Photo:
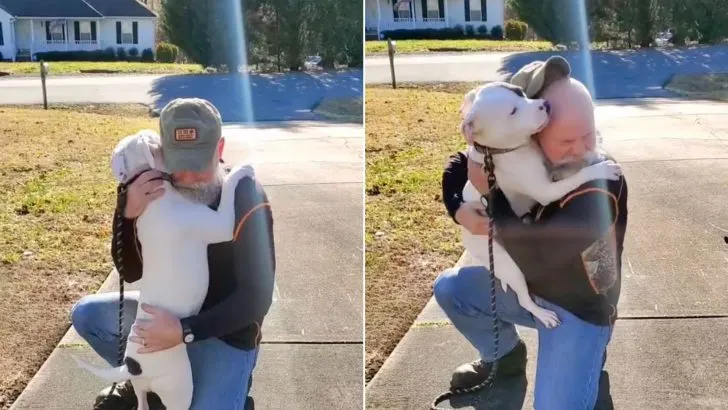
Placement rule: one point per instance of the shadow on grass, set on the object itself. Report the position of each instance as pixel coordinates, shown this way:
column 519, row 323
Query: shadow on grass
column 272, row 97
column 632, row 73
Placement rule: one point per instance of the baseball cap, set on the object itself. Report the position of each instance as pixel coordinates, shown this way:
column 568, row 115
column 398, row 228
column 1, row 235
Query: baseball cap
column 190, row 129
column 535, row 76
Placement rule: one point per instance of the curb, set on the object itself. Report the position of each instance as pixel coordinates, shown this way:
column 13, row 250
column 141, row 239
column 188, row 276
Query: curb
column 69, row 339
column 417, row 323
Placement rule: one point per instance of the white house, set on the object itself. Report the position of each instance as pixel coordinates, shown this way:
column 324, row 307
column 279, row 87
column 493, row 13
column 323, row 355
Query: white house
column 31, row 26
column 384, row 15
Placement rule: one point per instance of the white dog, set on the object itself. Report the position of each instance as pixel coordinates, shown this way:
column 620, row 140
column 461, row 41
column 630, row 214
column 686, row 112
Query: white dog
column 174, row 232
column 499, row 116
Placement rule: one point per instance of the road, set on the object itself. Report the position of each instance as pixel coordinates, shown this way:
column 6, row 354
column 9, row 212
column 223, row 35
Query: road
column 615, row 74
column 240, row 98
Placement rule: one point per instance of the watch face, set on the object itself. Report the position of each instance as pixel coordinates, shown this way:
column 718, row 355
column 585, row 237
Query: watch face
column 189, row 338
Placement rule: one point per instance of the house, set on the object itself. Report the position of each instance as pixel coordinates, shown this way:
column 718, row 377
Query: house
column 28, row 27
column 385, row 15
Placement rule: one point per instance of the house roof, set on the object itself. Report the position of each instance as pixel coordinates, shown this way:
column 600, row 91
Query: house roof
column 120, row 8
column 75, row 8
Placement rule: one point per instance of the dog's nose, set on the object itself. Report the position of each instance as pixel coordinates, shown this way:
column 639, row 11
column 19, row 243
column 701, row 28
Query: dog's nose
column 546, row 106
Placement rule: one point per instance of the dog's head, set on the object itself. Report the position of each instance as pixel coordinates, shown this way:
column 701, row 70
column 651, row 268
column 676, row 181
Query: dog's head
column 134, row 154
column 499, row 115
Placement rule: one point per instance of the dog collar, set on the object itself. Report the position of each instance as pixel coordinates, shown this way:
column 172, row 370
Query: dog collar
column 493, row 151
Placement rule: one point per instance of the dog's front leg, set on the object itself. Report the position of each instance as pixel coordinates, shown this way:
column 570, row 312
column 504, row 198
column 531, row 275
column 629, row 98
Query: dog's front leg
column 553, row 191
column 218, row 226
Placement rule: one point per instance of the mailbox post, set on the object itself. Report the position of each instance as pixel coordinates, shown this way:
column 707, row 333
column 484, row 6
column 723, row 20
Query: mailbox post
column 43, row 74
column 391, row 49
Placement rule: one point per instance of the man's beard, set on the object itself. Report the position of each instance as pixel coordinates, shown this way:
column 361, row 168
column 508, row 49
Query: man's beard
column 203, row 192
column 569, row 166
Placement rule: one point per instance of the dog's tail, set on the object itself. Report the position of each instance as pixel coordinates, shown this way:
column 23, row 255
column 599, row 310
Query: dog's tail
column 113, row 374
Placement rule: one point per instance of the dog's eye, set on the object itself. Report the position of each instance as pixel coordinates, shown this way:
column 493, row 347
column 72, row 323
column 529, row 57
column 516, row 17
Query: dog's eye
column 514, row 110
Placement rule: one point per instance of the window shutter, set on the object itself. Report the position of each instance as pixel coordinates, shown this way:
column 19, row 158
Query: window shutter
column 467, row 10
column 48, row 30
column 424, row 9
column 484, row 10
column 118, row 32
column 135, row 32
column 394, row 8
column 63, row 35
column 441, row 6
column 2, row 40
column 76, row 30
column 93, row 31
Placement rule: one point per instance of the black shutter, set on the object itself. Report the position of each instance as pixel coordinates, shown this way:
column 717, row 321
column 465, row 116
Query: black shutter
column 2, row 41
column 467, row 10
column 118, row 32
column 441, row 7
column 48, row 30
column 76, row 30
column 394, row 8
column 63, row 34
column 424, row 10
column 484, row 10
column 93, row 31
column 135, row 32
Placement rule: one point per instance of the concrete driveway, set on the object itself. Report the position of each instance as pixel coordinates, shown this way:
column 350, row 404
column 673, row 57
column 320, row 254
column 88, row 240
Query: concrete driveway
column 615, row 74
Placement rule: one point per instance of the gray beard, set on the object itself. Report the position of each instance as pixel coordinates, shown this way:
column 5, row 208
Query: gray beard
column 565, row 170
column 205, row 193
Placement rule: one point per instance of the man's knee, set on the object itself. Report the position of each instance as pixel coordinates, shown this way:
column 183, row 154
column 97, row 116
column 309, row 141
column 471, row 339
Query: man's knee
column 81, row 313
column 444, row 287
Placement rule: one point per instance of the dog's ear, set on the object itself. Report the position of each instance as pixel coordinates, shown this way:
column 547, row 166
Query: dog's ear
column 468, row 100
column 516, row 89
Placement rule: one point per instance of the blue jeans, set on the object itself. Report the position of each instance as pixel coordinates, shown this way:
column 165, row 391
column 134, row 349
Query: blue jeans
column 221, row 373
column 570, row 356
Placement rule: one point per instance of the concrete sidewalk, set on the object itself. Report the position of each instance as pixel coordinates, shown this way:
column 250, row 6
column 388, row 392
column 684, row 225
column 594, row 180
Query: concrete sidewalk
column 312, row 338
column 668, row 348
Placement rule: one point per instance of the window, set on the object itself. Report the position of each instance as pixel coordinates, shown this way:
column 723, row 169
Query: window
column 127, row 32
column 55, row 31
column 84, row 30
column 433, row 9
column 475, row 12
column 402, row 10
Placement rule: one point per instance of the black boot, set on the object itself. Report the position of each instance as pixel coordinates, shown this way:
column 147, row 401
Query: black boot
column 474, row 373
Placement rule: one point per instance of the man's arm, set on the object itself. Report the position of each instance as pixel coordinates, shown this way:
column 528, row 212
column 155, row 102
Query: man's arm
column 130, row 248
column 584, row 216
column 254, row 265
column 454, row 178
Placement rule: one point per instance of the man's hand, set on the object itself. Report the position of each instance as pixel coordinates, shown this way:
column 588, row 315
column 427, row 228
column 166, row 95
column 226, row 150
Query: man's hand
column 161, row 332
column 141, row 192
column 477, row 177
column 471, row 216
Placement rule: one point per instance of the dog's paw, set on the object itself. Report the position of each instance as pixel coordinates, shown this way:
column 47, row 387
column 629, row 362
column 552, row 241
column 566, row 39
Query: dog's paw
column 606, row 170
column 239, row 172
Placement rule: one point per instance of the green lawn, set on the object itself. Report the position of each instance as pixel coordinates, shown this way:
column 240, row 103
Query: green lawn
column 431, row 46
column 78, row 67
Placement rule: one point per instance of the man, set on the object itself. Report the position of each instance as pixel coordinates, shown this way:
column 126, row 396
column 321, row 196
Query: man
column 223, row 339
column 570, row 256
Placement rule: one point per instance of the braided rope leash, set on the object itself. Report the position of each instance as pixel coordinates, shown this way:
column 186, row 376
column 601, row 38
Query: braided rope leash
column 487, row 201
column 120, row 205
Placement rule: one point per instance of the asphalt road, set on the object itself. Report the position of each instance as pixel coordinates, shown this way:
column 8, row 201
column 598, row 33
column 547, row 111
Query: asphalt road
column 240, row 98
column 614, row 74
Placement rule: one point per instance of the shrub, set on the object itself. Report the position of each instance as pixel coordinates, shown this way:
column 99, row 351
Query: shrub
column 121, row 53
column 496, row 33
column 167, row 53
column 1, row 56
column 95, row 55
column 109, row 54
column 516, row 30
column 483, row 30
column 148, row 55
column 469, row 31
column 134, row 52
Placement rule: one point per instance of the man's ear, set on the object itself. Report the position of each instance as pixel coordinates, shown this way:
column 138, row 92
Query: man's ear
column 220, row 147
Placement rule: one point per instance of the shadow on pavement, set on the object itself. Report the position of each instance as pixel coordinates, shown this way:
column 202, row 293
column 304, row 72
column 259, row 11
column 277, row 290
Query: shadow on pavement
column 272, row 97
column 633, row 73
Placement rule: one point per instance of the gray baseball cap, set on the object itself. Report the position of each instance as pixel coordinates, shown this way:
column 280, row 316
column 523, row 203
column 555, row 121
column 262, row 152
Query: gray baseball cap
column 535, row 76
column 191, row 129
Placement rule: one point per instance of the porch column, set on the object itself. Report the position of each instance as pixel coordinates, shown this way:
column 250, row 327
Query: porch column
column 447, row 19
column 65, row 28
column 414, row 13
column 12, row 39
column 379, row 19
column 32, row 38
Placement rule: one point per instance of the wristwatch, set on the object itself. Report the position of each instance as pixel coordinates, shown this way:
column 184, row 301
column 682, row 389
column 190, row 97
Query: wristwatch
column 187, row 334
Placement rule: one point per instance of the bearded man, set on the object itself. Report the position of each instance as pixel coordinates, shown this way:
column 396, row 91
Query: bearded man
column 224, row 338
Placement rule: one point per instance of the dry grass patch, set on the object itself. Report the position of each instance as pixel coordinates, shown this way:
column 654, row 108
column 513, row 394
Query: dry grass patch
column 410, row 238
column 78, row 67
column 708, row 86
column 343, row 109
column 57, row 198
column 433, row 46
